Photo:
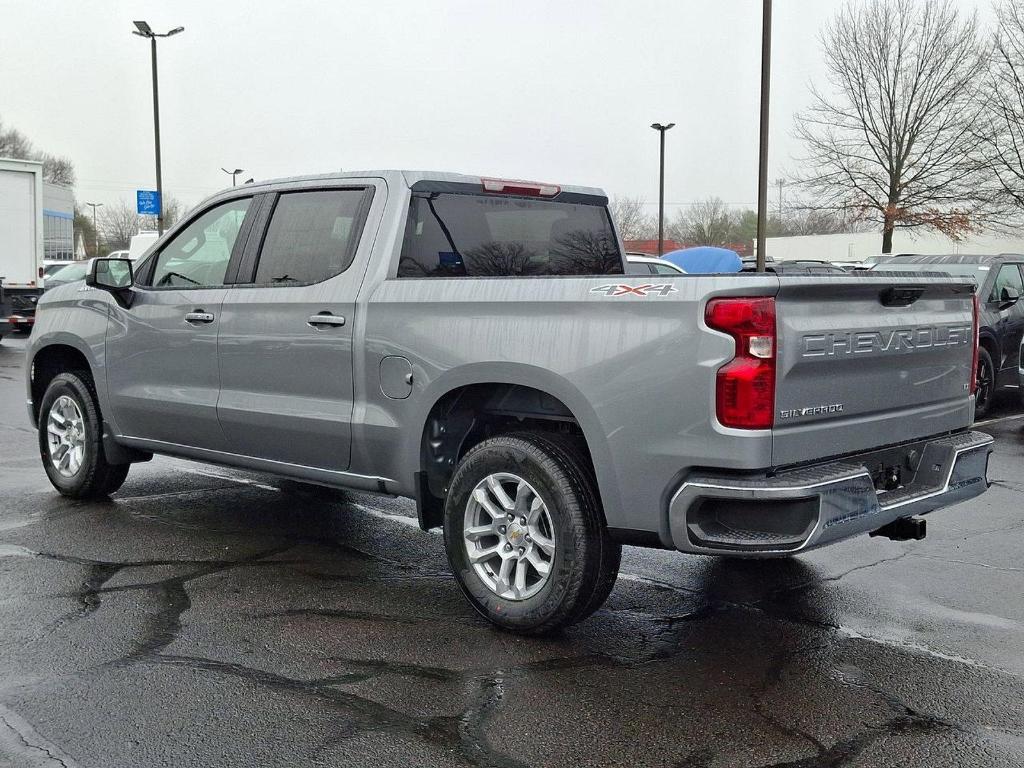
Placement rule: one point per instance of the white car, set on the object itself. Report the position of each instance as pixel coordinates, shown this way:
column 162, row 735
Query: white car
column 639, row 264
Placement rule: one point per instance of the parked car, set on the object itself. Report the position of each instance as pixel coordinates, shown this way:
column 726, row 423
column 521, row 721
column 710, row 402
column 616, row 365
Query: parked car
column 1000, row 287
column 69, row 273
column 642, row 264
column 801, row 267
column 475, row 344
column 119, row 255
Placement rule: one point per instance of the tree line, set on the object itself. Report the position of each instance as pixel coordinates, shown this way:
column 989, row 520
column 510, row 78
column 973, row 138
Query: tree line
column 919, row 124
column 712, row 221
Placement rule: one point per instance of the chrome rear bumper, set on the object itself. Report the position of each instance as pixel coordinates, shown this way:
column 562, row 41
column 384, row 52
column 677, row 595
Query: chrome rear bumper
column 818, row 505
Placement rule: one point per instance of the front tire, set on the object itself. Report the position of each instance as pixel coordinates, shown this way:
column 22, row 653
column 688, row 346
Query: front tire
column 525, row 533
column 71, row 440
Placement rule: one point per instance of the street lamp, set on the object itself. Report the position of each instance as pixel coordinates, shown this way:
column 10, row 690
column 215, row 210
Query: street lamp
column 142, row 29
column 762, row 163
column 233, row 174
column 95, row 231
column 661, row 185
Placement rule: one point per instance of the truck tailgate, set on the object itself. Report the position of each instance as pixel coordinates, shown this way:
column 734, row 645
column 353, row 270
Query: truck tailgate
column 868, row 361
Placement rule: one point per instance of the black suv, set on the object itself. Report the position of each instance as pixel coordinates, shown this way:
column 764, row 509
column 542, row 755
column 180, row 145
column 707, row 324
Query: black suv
column 1000, row 287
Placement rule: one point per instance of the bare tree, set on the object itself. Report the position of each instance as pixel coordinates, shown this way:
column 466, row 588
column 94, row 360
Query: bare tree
column 1003, row 95
column 118, row 222
column 897, row 142
column 14, row 144
column 58, row 170
column 706, row 222
column 631, row 218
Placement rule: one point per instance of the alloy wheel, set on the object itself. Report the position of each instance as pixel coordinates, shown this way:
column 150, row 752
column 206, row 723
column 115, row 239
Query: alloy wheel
column 65, row 436
column 509, row 536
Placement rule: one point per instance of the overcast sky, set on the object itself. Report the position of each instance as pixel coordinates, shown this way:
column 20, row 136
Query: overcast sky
column 550, row 91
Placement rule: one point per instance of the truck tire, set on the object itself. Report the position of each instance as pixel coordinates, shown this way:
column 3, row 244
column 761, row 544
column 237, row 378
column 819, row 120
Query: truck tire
column 986, row 384
column 525, row 534
column 71, row 439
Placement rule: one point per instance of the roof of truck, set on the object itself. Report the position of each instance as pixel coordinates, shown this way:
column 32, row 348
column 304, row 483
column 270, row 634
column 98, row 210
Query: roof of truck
column 409, row 177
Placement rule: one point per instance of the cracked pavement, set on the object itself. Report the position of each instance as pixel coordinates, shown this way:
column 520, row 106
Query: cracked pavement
column 206, row 616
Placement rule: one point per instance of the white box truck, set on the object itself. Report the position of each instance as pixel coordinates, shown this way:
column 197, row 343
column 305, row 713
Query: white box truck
column 21, row 242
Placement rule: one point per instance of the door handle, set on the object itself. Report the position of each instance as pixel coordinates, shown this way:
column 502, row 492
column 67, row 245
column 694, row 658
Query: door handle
column 199, row 317
column 325, row 318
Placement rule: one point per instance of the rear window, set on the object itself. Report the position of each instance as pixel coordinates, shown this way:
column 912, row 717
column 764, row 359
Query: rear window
column 464, row 235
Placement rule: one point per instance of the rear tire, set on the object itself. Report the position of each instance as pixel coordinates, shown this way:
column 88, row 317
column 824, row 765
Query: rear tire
column 986, row 383
column 525, row 533
column 71, row 439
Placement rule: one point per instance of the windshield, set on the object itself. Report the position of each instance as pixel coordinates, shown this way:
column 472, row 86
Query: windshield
column 465, row 235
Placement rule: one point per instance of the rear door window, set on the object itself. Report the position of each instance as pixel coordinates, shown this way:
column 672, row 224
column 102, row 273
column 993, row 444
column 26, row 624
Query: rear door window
column 312, row 236
column 465, row 235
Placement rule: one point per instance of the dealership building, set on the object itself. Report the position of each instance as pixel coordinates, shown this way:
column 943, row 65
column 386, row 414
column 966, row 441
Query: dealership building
column 58, row 223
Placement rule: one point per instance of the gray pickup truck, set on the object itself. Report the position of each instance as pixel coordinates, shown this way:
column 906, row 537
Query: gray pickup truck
column 474, row 343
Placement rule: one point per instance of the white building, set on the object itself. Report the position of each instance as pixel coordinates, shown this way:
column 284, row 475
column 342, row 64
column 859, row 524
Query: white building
column 856, row 246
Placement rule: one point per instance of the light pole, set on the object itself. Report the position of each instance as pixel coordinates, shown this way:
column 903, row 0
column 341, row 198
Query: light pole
column 142, row 29
column 661, row 185
column 762, row 166
column 233, row 174
column 95, row 231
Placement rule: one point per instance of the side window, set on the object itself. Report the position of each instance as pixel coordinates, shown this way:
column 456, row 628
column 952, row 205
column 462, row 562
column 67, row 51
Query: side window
column 312, row 236
column 661, row 269
column 198, row 256
column 1009, row 276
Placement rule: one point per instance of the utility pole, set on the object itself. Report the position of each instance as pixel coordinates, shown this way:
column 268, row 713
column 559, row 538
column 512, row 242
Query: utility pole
column 233, row 174
column 661, row 185
column 95, row 231
column 762, row 171
column 142, row 29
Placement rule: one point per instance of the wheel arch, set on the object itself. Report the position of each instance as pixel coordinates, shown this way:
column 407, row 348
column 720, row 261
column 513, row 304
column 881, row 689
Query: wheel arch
column 477, row 401
column 990, row 344
column 57, row 355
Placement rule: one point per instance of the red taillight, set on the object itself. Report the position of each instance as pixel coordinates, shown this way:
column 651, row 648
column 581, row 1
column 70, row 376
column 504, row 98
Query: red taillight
column 529, row 188
column 745, row 386
column 977, row 343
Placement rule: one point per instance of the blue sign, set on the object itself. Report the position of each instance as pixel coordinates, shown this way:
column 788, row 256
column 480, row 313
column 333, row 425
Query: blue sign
column 147, row 202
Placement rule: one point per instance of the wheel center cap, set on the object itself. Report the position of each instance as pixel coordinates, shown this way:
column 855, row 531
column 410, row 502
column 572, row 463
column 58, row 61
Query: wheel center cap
column 515, row 535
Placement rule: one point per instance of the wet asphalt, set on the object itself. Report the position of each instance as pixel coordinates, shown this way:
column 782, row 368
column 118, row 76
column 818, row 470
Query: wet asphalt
column 209, row 617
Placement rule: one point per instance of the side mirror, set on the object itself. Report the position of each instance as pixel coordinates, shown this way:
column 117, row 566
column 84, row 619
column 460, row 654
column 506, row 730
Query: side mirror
column 1008, row 297
column 113, row 275
column 109, row 274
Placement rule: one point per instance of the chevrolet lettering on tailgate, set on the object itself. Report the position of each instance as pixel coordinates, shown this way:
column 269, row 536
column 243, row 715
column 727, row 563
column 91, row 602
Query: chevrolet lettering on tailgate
column 901, row 340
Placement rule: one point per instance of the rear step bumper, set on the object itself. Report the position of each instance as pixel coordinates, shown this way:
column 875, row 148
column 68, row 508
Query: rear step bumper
column 814, row 506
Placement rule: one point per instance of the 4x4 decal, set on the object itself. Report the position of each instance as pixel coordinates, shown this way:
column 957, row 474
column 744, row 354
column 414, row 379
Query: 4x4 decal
column 662, row 289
